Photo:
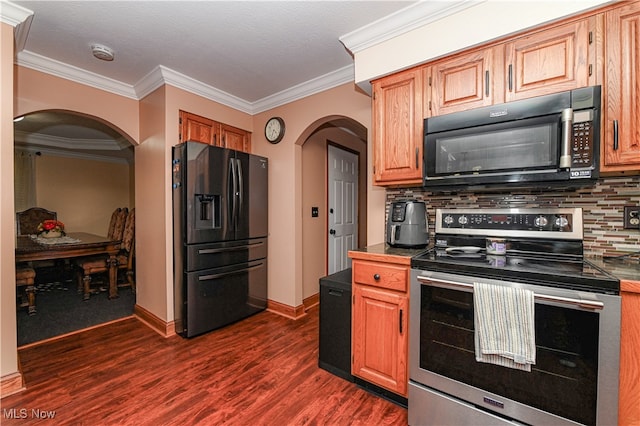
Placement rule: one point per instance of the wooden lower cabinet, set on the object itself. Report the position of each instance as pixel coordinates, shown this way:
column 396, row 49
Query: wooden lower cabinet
column 380, row 324
column 629, row 396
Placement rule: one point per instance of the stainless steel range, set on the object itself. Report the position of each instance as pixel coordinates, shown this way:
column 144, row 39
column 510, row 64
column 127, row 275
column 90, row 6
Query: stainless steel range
column 577, row 322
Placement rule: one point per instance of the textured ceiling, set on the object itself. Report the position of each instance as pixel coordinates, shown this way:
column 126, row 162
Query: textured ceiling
column 249, row 50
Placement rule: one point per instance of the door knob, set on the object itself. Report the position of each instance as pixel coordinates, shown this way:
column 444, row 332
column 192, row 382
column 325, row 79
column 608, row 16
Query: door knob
column 332, row 231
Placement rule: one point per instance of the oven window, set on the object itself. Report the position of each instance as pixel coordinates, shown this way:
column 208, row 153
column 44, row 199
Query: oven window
column 524, row 145
column 564, row 379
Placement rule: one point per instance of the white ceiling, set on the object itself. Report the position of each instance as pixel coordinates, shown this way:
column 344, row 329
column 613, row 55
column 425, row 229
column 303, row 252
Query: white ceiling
column 249, row 50
column 250, row 55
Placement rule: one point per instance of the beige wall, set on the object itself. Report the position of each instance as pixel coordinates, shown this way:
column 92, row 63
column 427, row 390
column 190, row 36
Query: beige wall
column 8, row 336
column 286, row 210
column 37, row 91
column 83, row 192
column 154, row 273
column 314, row 193
column 152, row 126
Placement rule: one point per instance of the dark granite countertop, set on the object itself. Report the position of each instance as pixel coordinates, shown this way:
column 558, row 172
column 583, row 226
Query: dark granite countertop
column 385, row 253
column 386, row 249
column 623, row 268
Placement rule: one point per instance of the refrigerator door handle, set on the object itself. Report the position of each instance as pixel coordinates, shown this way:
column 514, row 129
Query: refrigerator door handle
column 226, row 274
column 232, row 195
column 240, row 192
column 225, row 249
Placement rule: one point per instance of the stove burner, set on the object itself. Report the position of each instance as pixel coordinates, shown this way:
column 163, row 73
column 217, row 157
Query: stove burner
column 571, row 272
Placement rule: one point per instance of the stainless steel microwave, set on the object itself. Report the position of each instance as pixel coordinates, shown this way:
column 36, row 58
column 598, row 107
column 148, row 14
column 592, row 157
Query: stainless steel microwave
column 547, row 141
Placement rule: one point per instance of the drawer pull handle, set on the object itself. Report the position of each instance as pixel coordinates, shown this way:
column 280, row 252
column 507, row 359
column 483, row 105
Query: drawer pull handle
column 376, row 277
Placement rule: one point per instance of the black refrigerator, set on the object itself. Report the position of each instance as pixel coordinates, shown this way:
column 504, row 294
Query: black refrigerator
column 220, row 236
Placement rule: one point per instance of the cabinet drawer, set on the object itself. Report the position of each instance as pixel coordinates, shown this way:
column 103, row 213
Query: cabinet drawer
column 387, row 276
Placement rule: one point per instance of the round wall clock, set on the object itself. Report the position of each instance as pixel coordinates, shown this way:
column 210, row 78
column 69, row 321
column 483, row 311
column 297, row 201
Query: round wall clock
column 274, row 129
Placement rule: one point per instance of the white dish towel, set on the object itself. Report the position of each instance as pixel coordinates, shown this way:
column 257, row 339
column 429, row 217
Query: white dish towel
column 504, row 326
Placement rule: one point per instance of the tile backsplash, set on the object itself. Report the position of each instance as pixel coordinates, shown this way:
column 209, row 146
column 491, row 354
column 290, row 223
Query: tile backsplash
column 602, row 209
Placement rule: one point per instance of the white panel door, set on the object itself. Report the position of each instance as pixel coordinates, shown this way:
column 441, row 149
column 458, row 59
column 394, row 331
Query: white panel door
column 343, row 207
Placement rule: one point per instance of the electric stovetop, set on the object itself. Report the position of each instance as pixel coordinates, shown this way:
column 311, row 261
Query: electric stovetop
column 575, row 273
column 543, row 247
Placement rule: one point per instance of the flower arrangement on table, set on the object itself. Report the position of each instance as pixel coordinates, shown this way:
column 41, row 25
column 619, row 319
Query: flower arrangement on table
column 51, row 229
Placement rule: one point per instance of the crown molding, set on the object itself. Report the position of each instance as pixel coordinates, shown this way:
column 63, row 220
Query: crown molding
column 13, row 14
column 70, row 143
column 402, row 21
column 18, row 17
column 162, row 75
column 308, row 88
column 71, row 154
column 69, row 72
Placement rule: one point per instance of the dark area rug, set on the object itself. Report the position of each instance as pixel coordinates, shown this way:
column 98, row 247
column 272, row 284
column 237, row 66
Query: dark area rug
column 61, row 310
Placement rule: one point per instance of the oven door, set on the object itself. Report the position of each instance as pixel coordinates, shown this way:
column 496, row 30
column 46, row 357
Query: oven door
column 574, row 380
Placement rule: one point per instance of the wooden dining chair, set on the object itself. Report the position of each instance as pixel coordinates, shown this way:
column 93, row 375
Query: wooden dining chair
column 117, row 223
column 25, row 277
column 27, row 221
column 89, row 266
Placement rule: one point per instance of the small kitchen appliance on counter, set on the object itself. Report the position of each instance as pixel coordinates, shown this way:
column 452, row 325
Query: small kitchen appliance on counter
column 407, row 224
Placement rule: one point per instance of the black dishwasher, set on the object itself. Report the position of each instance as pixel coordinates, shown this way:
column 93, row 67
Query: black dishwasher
column 335, row 324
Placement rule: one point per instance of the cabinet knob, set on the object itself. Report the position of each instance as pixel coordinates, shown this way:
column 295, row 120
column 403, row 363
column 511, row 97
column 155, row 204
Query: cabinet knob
column 376, row 277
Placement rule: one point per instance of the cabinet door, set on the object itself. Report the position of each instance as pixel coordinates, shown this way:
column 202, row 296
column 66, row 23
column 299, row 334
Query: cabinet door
column 199, row 129
column 621, row 144
column 234, row 138
column 467, row 81
column 380, row 321
column 397, row 131
column 629, row 399
column 549, row 61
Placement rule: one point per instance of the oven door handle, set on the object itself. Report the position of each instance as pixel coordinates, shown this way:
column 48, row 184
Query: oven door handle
column 585, row 304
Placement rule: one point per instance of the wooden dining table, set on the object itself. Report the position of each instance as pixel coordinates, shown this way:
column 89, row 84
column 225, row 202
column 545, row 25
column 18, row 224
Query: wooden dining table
column 29, row 249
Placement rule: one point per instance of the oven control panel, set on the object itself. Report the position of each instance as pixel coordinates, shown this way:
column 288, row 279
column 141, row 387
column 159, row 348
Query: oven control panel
column 513, row 222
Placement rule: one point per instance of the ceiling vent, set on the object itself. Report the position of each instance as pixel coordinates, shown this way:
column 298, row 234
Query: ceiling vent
column 102, row 52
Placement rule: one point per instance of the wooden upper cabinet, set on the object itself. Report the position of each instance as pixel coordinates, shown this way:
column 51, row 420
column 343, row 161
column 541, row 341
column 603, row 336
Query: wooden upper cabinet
column 199, row 129
column 549, row 61
column 397, row 130
column 469, row 80
column 234, row 138
column 620, row 148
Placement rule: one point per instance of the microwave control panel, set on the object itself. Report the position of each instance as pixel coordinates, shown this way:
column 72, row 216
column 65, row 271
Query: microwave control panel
column 582, row 149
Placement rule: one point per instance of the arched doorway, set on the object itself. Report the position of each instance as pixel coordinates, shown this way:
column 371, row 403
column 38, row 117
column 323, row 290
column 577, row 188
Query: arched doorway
column 346, row 133
column 81, row 167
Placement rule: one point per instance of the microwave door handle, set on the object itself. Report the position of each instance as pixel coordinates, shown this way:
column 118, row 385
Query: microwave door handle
column 567, row 136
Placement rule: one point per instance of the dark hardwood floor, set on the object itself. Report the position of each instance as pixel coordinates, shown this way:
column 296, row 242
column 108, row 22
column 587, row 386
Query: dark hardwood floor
column 260, row 371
